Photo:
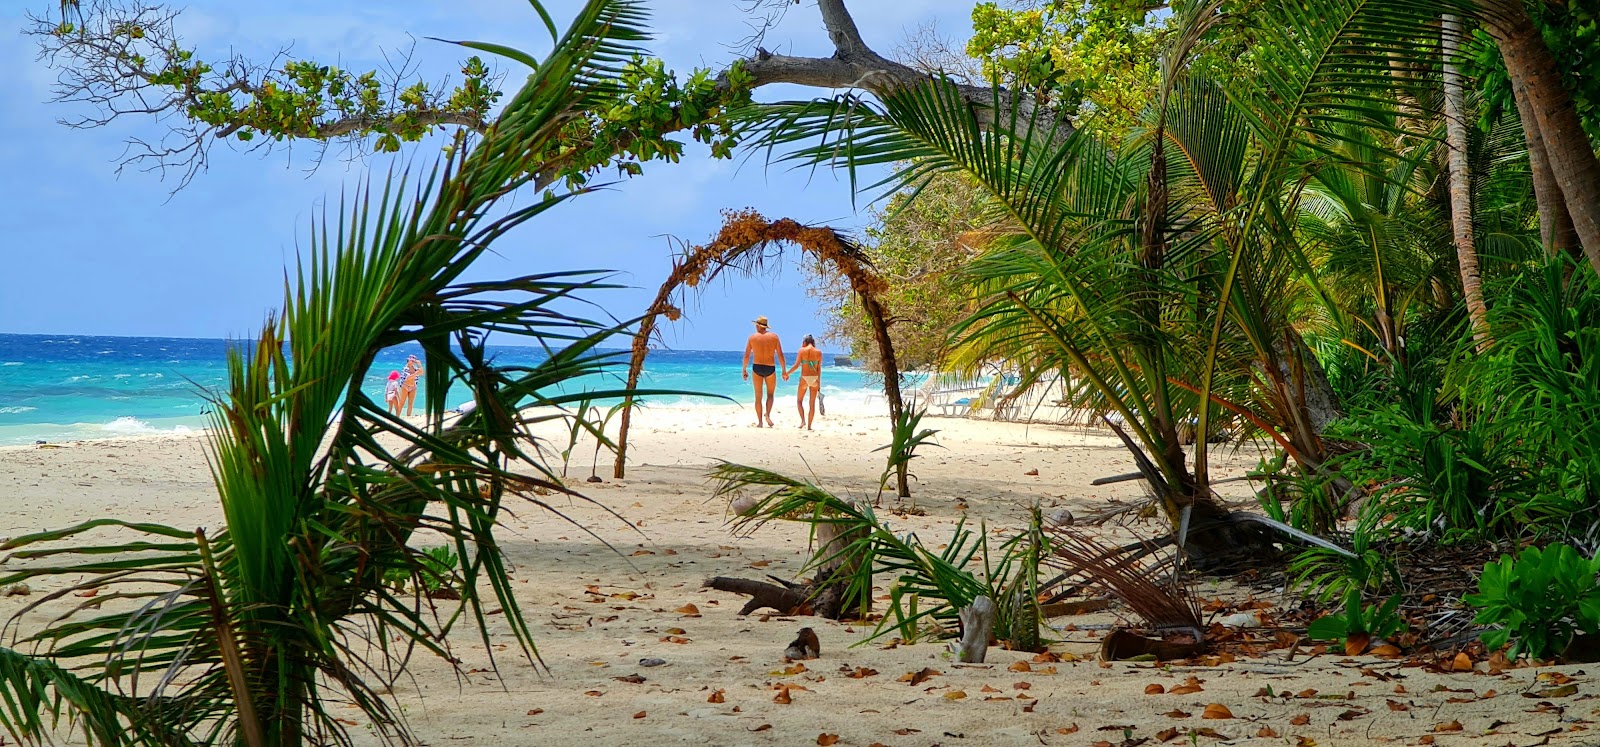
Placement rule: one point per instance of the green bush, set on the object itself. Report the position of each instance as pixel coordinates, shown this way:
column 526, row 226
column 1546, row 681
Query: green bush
column 435, row 570
column 1539, row 600
column 1327, row 575
column 1374, row 621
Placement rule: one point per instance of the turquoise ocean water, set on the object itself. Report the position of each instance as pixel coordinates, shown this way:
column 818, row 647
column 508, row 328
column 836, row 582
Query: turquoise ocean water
column 73, row 387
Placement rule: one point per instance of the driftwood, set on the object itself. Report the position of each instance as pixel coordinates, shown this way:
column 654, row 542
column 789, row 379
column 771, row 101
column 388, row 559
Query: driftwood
column 977, row 625
column 784, row 599
column 828, row 596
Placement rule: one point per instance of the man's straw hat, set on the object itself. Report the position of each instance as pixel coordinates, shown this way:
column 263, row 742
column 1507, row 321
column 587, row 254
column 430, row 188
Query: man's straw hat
column 762, row 321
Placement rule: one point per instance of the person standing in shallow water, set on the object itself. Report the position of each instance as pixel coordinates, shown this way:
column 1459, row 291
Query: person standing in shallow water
column 763, row 356
column 809, row 363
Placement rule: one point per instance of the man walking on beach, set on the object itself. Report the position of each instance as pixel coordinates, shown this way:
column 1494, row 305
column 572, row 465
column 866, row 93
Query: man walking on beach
column 763, row 354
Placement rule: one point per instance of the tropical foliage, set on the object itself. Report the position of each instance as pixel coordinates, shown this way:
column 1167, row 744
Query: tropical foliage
column 251, row 633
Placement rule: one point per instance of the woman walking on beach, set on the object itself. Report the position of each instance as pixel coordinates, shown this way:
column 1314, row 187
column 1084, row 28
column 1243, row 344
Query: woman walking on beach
column 809, row 363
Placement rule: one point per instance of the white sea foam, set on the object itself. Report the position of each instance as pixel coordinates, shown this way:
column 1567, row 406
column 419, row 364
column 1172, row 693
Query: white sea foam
column 152, row 376
column 80, row 377
column 129, row 426
column 121, row 376
column 16, row 409
column 11, row 363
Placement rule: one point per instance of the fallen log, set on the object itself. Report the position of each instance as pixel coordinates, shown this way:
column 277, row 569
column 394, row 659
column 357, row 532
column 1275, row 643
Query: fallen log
column 785, row 600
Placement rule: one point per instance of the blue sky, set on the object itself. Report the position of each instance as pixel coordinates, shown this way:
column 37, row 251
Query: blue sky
column 90, row 253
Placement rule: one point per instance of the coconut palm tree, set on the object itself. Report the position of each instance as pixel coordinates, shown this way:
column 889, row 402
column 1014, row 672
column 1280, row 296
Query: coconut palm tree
column 248, row 634
column 1165, row 275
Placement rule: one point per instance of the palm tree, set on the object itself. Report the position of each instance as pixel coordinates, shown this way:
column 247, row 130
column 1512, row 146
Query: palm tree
column 1165, row 274
column 1455, row 120
column 247, row 634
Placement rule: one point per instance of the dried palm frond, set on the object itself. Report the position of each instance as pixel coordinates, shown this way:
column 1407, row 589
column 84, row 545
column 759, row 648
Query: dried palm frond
column 1141, row 577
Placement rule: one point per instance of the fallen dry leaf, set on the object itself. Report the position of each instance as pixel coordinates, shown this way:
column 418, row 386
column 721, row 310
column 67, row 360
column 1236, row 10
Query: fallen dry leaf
column 632, row 679
column 826, row 739
column 1021, row 685
column 1175, row 713
column 1020, row 666
column 919, row 677
column 1356, row 643
column 1166, row 735
column 1154, row 688
column 535, row 711
column 594, row 693
column 906, row 731
column 1426, row 739
column 1462, row 663
column 1048, row 657
column 1306, row 693
column 1067, row 729
column 688, row 609
column 1216, row 711
column 678, row 639
column 1553, row 692
column 1449, row 726
column 717, row 697
column 1395, row 705
column 1189, row 686
column 1387, row 651
column 955, row 695
column 1300, row 720
column 988, row 689
column 639, row 714
column 862, row 672
column 782, row 698
column 762, row 727
column 1266, row 732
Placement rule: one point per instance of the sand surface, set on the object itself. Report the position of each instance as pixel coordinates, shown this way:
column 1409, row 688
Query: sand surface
column 597, row 612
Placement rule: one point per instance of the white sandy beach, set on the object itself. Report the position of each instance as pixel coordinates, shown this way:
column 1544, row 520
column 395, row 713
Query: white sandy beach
column 596, row 613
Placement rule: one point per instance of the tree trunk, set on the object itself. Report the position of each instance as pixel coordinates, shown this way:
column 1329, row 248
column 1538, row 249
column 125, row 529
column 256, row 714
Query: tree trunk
column 977, row 626
column 834, row 599
column 1455, row 113
column 1555, row 224
column 1569, row 153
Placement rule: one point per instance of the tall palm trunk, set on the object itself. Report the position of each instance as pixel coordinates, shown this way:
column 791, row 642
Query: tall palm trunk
column 1568, row 151
column 1555, row 223
column 1455, row 112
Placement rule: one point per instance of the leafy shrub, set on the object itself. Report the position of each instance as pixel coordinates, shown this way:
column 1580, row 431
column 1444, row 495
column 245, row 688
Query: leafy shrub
column 435, row 571
column 1454, row 481
column 902, row 449
column 1371, row 621
column 1538, row 599
column 1329, row 575
column 1540, row 386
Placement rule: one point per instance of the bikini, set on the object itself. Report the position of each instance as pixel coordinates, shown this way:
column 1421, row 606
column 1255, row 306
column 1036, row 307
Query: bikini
column 813, row 381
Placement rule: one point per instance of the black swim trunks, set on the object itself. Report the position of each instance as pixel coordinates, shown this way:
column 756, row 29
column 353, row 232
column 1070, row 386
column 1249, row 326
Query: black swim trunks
column 762, row 370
